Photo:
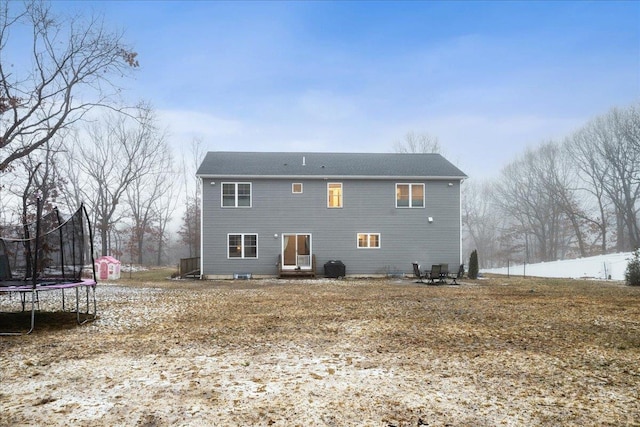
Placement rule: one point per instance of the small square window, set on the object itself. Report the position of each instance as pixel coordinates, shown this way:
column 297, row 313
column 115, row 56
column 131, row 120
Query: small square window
column 296, row 188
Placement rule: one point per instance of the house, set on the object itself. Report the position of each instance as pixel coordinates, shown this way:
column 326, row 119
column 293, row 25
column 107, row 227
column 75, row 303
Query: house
column 269, row 214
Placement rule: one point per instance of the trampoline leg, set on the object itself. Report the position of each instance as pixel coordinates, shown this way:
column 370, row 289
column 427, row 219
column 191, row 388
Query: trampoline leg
column 33, row 314
column 78, row 306
column 89, row 316
column 34, row 300
column 34, row 297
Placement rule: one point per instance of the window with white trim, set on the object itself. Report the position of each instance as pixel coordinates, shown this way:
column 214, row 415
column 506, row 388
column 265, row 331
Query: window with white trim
column 368, row 240
column 236, row 195
column 334, row 195
column 242, row 245
column 296, row 188
column 409, row 195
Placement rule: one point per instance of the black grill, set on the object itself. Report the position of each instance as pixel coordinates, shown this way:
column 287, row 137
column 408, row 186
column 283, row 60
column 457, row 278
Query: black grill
column 334, row 269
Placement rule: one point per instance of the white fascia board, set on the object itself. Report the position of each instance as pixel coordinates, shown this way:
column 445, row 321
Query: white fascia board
column 371, row 177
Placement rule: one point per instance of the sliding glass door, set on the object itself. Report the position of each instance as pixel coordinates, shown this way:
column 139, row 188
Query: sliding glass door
column 296, row 251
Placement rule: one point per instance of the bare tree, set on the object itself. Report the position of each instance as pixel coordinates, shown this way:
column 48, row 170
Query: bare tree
column 117, row 152
column 417, row 143
column 610, row 142
column 482, row 221
column 523, row 192
column 190, row 229
column 43, row 179
column 35, row 178
column 622, row 153
column 632, row 128
column 73, row 194
column 73, row 65
column 145, row 192
column 559, row 179
column 165, row 208
column 591, row 170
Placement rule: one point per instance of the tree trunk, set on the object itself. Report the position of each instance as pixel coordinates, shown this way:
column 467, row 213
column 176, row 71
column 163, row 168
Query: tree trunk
column 104, row 236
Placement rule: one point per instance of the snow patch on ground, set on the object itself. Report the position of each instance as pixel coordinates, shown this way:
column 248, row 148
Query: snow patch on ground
column 611, row 266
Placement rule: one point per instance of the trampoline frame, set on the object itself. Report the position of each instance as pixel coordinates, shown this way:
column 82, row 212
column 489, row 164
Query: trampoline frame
column 34, row 286
column 82, row 317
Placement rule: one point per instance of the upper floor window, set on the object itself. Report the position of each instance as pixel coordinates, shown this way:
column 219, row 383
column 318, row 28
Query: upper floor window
column 296, row 188
column 236, row 194
column 368, row 240
column 409, row 195
column 334, row 195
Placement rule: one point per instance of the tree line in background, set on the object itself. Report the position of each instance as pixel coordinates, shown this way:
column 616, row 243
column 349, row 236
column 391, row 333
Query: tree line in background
column 564, row 199
column 66, row 138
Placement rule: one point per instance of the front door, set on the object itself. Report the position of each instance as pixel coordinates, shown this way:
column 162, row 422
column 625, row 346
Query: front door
column 296, row 251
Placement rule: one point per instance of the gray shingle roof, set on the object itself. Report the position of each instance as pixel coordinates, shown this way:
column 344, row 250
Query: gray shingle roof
column 292, row 164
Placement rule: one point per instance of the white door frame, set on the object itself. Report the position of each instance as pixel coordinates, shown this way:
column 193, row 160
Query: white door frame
column 302, row 261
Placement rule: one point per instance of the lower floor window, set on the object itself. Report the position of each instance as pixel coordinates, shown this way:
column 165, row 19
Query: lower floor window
column 368, row 240
column 242, row 245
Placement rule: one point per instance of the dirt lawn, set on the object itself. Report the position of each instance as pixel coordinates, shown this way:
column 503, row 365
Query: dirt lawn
column 330, row 353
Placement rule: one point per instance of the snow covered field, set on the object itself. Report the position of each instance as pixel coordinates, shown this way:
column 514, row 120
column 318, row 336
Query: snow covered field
column 514, row 352
column 610, row 266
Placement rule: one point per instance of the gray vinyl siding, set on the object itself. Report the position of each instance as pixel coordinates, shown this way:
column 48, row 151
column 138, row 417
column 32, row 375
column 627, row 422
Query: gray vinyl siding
column 368, row 207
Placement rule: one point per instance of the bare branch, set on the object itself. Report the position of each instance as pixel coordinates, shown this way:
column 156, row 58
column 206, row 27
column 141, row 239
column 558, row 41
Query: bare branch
column 417, row 143
column 75, row 63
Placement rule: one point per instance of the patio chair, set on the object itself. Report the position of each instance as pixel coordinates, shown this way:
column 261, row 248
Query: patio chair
column 416, row 272
column 459, row 275
column 444, row 273
column 434, row 274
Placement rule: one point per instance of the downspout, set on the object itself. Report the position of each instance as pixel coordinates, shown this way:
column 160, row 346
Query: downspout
column 201, row 228
column 460, row 221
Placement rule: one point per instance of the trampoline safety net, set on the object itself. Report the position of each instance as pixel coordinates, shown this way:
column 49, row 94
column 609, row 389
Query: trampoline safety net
column 52, row 249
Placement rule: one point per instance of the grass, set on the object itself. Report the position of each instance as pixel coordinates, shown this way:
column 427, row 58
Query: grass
column 520, row 351
column 154, row 274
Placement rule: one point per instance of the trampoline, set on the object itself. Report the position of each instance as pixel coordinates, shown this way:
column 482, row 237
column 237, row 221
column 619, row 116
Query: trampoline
column 44, row 256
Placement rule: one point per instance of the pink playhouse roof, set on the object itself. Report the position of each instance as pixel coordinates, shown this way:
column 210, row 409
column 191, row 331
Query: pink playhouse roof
column 108, row 259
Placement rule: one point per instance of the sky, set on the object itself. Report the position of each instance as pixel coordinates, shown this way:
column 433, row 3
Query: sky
column 488, row 79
